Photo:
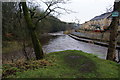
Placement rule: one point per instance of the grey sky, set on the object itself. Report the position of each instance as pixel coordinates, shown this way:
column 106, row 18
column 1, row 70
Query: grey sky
column 86, row 9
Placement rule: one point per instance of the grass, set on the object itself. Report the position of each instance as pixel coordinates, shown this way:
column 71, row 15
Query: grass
column 11, row 46
column 72, row 64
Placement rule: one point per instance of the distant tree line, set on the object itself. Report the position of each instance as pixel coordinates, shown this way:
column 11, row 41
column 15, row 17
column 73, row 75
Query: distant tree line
column 14, row 25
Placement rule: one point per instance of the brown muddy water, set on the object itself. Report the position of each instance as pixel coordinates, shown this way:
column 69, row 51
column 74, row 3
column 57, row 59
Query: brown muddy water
column 53, row 42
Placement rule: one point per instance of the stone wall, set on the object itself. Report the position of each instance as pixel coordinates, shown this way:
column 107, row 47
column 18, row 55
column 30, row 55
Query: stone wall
column 95, row 35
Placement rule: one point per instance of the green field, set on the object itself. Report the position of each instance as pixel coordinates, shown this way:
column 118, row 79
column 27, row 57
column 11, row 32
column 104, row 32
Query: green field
column 68, row 64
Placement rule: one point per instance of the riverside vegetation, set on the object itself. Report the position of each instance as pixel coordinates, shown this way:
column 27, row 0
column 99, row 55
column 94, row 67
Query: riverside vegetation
column 63, row 64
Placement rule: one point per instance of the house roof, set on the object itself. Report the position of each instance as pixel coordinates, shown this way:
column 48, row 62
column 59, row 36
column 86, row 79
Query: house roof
column 102, row 16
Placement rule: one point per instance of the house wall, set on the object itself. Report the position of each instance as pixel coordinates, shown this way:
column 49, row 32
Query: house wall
column 103, row 23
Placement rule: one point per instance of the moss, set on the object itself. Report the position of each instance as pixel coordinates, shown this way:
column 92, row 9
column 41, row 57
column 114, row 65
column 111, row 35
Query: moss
column 36, row 44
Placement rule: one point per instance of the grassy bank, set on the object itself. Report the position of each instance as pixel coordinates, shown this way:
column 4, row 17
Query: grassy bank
column 67, row 64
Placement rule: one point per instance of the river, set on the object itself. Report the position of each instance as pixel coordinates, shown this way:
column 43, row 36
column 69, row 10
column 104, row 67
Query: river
column 59, row 42
column 65, row 42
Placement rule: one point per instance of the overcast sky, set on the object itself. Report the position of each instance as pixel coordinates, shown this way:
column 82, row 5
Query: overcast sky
column 86, row 9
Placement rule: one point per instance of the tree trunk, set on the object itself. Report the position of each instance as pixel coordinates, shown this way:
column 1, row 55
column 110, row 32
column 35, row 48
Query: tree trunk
column 36, row 44
column 111, row 55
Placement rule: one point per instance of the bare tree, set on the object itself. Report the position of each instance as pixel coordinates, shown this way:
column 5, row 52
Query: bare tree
column 109, row 9
column 52, row 5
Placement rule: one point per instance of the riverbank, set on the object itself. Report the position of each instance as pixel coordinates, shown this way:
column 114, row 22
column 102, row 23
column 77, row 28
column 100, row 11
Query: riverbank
column 54, row 42
column 13, row 51
column 103, row 37
column 95, row 37
column 64, row 64
column 91, row 40
column 81, row 36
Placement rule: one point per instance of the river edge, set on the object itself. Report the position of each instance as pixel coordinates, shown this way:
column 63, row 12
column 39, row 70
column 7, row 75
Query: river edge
column 97, row 36
column 91, row 40
column 104, row 43
column 61, row 45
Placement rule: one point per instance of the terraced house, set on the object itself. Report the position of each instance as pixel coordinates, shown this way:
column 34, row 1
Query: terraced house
column 100, row 22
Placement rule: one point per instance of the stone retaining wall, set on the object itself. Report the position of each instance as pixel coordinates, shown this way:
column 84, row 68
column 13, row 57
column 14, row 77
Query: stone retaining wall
column 96, row 35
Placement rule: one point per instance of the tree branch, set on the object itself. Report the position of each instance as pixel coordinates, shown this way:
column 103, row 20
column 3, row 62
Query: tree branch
column 54, row 4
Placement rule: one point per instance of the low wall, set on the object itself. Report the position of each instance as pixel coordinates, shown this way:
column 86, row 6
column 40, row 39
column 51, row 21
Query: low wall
column 96, row 35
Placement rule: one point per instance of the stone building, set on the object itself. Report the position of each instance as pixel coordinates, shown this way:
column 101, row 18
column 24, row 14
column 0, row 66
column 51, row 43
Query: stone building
column 100, row 22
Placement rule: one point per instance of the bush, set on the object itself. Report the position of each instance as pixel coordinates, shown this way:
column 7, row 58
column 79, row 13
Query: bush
column 12, row 68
